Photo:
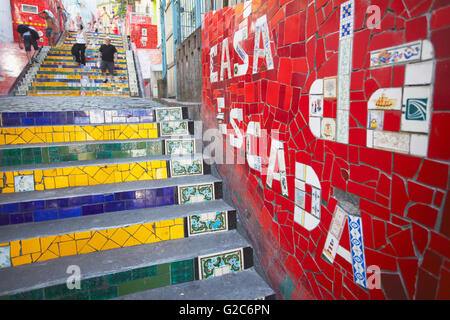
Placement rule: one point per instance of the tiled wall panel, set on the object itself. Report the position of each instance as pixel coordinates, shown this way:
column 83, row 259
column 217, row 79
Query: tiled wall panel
column 364, row 104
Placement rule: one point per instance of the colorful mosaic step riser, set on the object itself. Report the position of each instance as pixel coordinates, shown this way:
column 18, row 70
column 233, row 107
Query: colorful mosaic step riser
column 140, row 279
column 76, row 93
column 26, row 251
column 54, row 58
column 45, row 118
column 79, row 85
column 71, row 64
column 41, row 180
column 62, row 208
column 51, row 76
column 47, row 155
column 76, row 87
column 95, row 132
column 77, row 133
column 119, row 71
column 80, row 176
column 80, row 81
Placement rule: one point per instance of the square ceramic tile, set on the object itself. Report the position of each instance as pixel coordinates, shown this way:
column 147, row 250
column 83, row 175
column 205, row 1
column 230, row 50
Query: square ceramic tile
column 328, row 130
column 419, row 73
column 375, row 120
column 5, row 257
column 419, row 145
column 24, row 183
column 386, row 99
column 315, row 105
column 315, row 126
column 416, row 109
column 330, row 88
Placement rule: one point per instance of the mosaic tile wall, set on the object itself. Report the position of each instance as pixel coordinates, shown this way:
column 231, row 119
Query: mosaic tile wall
column 355, row 170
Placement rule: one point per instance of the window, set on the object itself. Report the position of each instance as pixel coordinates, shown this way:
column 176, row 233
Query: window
column 29, row 8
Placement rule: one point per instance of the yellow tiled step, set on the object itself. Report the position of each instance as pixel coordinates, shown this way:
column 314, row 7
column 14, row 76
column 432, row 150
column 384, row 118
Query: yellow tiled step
column 67, row 70
column 52, row 247
column 80, row 176
column 77, row 133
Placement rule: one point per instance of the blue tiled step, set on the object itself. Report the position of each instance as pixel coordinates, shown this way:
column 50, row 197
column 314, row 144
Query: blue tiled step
column 54, row 205
column 45, row 118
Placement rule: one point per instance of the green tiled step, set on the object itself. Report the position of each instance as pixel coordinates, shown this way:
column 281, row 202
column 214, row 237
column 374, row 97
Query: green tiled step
column 243, row 285
column 119, row 272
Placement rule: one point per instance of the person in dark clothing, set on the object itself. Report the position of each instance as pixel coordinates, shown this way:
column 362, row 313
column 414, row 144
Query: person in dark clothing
column 79, row 48
column 29, row 37
column 107, row 58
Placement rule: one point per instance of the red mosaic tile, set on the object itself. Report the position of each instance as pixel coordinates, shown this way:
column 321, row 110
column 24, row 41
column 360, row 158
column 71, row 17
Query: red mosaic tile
column 402, row 243
column 419, row 193
column 434, row 174
column 399, row 198
column 409, row 269
column 416, row 29
column 423, row 214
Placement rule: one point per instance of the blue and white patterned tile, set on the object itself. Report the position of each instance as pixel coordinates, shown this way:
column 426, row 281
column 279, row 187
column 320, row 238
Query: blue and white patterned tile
column 357, row 250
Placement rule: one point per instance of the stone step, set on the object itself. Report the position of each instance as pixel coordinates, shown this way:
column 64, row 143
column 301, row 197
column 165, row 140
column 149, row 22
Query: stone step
column 32, row 243
column 243, row 285
column 95, row 200
column 29, row 279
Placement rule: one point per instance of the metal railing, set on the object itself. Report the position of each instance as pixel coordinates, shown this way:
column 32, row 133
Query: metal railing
column 191, row 12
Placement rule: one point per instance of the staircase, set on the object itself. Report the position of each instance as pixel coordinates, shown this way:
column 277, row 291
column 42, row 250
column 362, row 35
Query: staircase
column 57, row 74
column 115, row 190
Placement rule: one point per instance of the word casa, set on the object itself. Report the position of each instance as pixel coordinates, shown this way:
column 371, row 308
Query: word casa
column 262, row 30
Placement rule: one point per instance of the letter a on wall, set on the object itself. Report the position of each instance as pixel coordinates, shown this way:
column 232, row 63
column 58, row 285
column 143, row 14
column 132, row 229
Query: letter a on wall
column 266, row 52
